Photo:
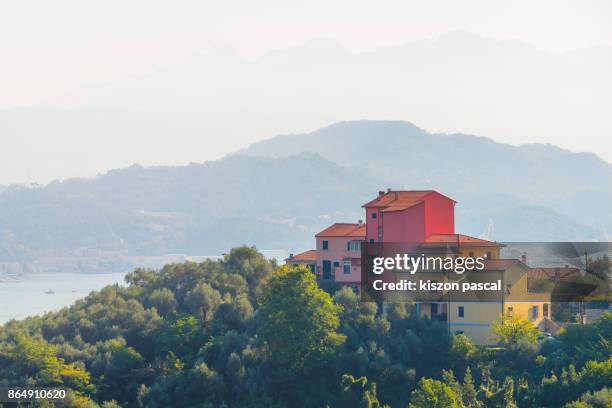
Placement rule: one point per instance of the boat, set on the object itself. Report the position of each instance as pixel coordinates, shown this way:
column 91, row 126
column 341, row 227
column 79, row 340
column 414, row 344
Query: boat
column 49, row 292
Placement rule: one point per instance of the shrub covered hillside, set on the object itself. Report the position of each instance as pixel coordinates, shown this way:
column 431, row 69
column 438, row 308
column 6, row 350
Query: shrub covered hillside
column 242, row 332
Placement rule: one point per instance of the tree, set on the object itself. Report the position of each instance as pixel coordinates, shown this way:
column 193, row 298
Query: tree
column 299, row 320
column 434, row 394
column 248, row 263
column 358, row 393
column 511, row 330
column 163, row 300
column 182, row 336
column 598, row 399
column 461, row 353
column 448, row 377
column 124, row 371
column 468, row 391
column 203, row 300
column 35, row 362
column 509, row 393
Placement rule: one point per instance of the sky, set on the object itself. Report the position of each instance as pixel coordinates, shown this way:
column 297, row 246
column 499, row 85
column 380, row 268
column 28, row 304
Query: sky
column 53, row 49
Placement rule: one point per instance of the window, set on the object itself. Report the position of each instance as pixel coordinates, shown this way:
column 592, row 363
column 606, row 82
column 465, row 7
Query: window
column 346, row 267
column 510, row 311
column 545, row 310
column 371, row 240
column 489, row 255
column 535, row 312
column 325, row 245
column 336, row 264
column 354, row 246
column 373, row 215
column 460, row 311
column 327, row 272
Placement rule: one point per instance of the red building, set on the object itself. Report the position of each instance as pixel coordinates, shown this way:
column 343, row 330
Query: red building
column 425, row 219
column 409, row 216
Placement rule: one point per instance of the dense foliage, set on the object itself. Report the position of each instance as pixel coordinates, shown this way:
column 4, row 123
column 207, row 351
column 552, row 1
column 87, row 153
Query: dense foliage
column 241, row 332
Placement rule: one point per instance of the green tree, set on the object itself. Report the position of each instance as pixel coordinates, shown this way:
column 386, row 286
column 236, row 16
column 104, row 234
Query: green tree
column 461, row 353
column 163, row 300
column 468, row 391
column 35, row 362
column 511, row 330
column 299, row 320
column 358, row 393
column 203, row 300
column 182, row 336
column 509, row 393
column 597, row 399
column 448, row 377
column 434, row 394
column 124, row 371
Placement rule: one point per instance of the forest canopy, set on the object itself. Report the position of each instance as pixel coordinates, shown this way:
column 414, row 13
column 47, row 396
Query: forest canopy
column 243, row 332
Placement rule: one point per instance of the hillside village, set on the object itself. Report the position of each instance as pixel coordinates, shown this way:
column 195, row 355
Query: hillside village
column 426, row 220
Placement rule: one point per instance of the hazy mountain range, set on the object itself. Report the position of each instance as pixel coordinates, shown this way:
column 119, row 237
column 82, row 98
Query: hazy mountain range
column 491, row 180
column 213, row 103
column 279, row 192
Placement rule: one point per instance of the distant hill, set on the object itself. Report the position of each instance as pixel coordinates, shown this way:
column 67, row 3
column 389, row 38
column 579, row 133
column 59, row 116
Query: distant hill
column 483, row 175
column 278, row 193
column 460, row 80
column 200, row 209
column 211, row 104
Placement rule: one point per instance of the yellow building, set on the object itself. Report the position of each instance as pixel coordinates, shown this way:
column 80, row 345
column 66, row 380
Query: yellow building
column 473, row 312
column 474, row 317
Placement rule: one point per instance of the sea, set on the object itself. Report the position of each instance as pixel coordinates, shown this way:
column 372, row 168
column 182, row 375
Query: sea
column 45, row 292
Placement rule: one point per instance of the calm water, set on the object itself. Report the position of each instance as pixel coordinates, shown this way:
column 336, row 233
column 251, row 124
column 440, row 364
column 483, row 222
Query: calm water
column 27, row 298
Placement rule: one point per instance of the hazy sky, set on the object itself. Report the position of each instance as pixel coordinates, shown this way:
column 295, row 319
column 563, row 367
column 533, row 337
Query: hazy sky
column 51, row 48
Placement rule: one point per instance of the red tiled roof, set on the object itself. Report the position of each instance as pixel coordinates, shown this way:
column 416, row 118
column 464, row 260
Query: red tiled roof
column 551, row 273
column 400, row 200
column 462, row 240
column 344, row 230
column 310, row 255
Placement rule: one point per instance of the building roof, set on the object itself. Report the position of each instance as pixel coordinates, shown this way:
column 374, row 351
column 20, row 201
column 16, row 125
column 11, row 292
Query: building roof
column 552, row 273
column 310, row 255
column 357, row 230
column 400, row 200
column 458, row 239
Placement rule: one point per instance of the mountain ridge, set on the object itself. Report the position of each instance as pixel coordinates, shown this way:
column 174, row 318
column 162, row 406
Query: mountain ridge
column 281, row 202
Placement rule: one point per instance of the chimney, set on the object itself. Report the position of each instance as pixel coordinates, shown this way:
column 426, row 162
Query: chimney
column 360, row 222
column 388, row 190
column 290, row 256
column 524, row 259
column 381, row 193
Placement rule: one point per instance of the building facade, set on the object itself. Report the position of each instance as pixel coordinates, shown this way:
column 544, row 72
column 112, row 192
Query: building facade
column 424, row 222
